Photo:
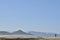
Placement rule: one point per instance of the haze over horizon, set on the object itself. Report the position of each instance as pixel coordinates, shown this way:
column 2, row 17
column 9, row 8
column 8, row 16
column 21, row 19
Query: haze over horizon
column 30, row 15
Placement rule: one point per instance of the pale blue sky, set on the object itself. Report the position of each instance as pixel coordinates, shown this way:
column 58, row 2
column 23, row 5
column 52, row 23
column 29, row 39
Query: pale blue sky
column 30, row 15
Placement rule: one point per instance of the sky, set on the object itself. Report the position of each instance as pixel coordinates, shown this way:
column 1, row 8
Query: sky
column 30, row 15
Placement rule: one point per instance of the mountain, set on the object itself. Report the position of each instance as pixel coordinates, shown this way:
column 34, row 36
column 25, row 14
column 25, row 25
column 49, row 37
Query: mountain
column 43, row 34
column 33, row 33
column 19, row 32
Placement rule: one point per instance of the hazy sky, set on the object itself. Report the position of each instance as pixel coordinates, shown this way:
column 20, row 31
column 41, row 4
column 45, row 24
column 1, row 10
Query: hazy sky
column 30, row 15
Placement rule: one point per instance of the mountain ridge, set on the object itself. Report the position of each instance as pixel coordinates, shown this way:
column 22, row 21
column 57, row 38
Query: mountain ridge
column 44, row 34
column 18, row 32
column 33, row 33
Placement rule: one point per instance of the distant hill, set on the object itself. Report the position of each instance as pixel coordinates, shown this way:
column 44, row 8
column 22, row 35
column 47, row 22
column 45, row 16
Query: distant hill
column 19, row 32
column 42, row 34
column 33, row 33
column 4, row 33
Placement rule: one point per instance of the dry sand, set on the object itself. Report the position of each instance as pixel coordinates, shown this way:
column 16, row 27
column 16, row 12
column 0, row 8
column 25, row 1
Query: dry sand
column 50, row 39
